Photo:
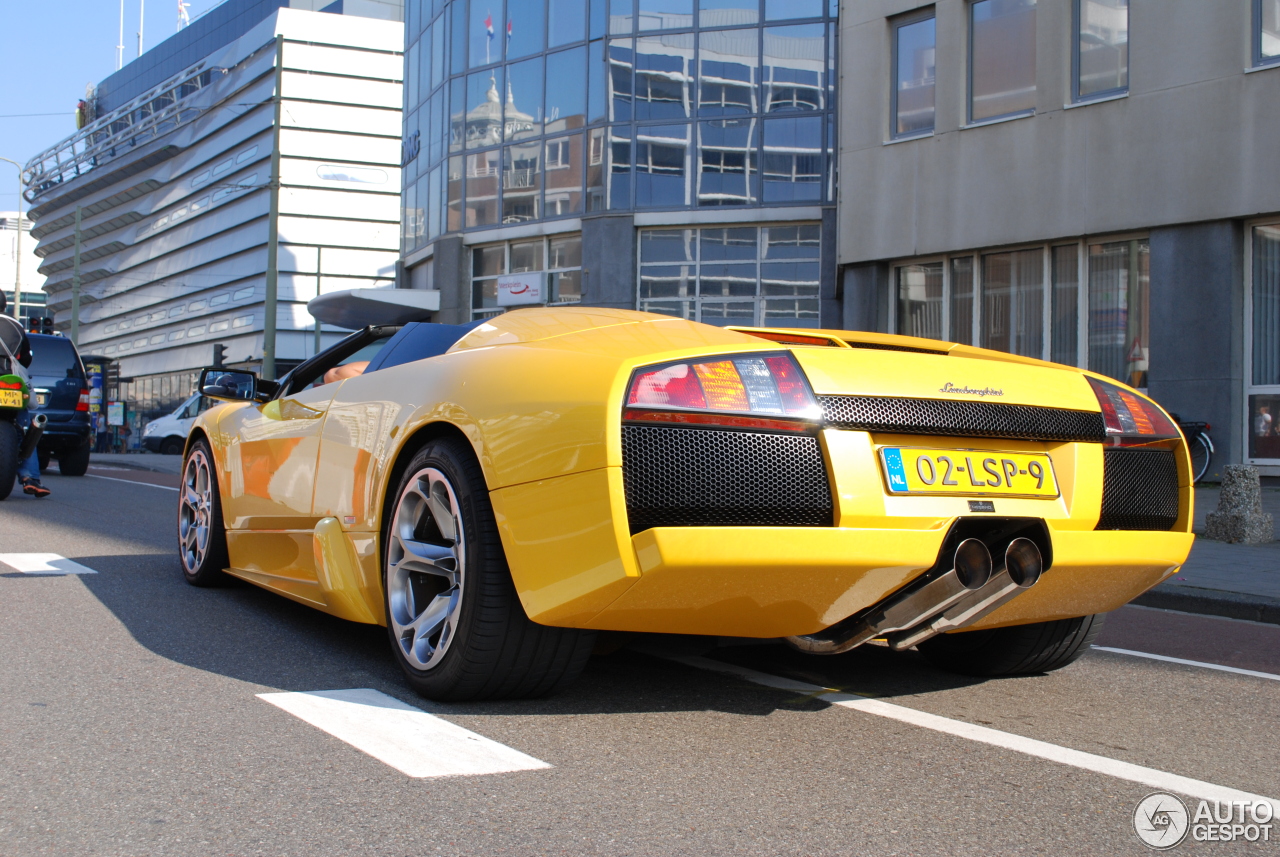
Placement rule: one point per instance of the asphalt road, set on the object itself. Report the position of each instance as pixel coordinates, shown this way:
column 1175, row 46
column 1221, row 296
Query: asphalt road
column 130, row 724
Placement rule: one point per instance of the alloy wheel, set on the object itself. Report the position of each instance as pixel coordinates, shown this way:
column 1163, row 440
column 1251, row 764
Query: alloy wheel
column 195, row 511
column 425, row 561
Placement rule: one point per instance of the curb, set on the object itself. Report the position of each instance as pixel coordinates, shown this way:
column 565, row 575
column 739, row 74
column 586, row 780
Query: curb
column 1212, row 602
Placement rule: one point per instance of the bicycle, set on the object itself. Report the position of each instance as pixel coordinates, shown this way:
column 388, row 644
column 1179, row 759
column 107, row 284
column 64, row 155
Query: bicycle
column 1199, row 444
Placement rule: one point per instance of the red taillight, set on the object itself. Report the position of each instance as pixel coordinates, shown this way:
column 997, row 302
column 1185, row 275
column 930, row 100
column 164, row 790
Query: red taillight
column 83, row 404
column 753, row 387
column 1129, row 417
column 10, row 385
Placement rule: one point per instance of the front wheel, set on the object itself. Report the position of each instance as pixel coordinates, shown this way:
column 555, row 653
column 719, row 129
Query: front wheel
column 1016, row 650
column 456, row 624
column 10, row 441
column 202, row 538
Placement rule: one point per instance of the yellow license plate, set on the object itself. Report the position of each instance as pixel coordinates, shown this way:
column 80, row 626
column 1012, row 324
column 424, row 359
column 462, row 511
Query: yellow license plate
column 969, row 472
column 10, row 398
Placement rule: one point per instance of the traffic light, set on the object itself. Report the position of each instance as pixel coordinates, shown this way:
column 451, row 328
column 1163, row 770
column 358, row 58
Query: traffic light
column 39, row 324
column 219, row 354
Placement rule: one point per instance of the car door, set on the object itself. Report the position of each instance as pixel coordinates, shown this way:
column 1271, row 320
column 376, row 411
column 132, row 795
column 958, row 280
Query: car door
column 272, row 467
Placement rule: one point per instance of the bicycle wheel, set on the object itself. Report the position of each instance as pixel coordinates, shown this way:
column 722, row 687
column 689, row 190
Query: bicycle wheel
column 1201, row 456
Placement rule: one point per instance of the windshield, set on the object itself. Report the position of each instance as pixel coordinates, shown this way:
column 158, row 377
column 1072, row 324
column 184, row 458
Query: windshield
column 53, row 359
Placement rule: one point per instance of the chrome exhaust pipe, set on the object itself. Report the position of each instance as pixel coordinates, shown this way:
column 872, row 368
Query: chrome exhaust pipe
column 970, row 574
column 32, row 437
column 1021, row 569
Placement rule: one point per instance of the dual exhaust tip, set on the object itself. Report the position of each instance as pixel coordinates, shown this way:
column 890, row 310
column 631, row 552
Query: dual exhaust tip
column 974, row 565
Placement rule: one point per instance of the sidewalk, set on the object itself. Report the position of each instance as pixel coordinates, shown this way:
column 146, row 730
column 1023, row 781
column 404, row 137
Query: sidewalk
column 138, row 461
column 1238, row 581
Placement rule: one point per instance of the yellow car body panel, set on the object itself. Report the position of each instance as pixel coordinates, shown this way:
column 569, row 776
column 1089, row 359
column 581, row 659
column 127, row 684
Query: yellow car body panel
column 539, row 395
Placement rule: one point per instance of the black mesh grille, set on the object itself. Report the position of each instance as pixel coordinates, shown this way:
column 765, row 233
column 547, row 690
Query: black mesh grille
column 962, row 419
column 1139, row 490
column 681, row 477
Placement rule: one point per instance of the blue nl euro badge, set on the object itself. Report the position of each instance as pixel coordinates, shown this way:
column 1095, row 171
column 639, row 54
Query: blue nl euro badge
column 893, row 469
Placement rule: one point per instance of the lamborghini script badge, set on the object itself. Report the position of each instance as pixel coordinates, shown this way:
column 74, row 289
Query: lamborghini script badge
column 970, row 391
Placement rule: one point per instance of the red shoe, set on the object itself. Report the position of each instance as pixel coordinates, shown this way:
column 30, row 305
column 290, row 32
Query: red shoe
column 33, row 487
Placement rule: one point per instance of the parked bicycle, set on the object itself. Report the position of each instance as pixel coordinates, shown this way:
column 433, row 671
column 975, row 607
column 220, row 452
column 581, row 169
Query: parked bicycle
column 1200, row 445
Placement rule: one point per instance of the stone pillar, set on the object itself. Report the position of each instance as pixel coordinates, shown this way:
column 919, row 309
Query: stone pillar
column 1239, row 518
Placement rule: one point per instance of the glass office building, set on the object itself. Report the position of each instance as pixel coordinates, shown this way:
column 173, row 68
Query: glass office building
column 668, row 155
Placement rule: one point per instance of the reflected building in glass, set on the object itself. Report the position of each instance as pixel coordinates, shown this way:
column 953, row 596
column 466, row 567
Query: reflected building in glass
column 674, row 156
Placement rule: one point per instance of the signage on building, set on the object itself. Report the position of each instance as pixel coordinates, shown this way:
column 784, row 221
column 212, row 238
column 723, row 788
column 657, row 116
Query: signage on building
column 115, row 413
column 521, row 289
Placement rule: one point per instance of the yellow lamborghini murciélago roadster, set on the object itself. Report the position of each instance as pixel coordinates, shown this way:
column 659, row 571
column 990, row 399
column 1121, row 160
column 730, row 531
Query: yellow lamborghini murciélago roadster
column 494, row 493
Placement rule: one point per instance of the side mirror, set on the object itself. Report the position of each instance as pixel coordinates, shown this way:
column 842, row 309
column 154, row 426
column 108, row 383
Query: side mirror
column 229, row 385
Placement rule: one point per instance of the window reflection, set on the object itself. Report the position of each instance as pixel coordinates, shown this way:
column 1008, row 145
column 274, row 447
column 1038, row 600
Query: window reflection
column 621, row 66
column 728, row 68
column 792, row 169
column 522, row 114
column 728, row 244
column 521, row 182
column 1003, row 61
column 562, row 175
column 1119, row 313
column 661, row 166
column 453, row 194
column 482, row 188
column 1013, row 302
column 618, row 153
column 914, row 77
column 522, row 30
column 920, row 300
column 727, row 13
column 777, row 10
column 1268, row 30
column 666, row 14
column 727, row 171
column 794, row 63
column 1103, row 59
column 566, row 90
column 482, row 124
column 596, row 169
column 566, row 21
column 663, row 72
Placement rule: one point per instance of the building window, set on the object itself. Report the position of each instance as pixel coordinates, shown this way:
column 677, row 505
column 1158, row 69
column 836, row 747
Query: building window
column 1266, row 32
column 914, row 78
column 1102, row 48
column 737, row 275
column 1119, row 320
column 1002, row 58
column 1264, row 350
column 557, row 259
column 1030, row 301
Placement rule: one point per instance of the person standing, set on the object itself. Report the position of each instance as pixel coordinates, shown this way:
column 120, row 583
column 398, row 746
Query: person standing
column 13, row 335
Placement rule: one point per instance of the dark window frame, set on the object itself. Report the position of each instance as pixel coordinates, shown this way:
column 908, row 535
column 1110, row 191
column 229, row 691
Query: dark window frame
column 1077, row 21
column 895, row 24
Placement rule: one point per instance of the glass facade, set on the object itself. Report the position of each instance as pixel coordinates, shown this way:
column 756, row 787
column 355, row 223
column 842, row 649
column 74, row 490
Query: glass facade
column 532, row 110
column 735, row 275
column 1030, row 301
column 560, row 257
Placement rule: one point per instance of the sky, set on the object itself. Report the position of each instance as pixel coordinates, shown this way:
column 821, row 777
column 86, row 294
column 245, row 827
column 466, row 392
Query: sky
column 49, row 50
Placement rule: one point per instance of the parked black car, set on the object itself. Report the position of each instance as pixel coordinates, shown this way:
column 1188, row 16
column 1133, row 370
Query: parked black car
column 61, row 392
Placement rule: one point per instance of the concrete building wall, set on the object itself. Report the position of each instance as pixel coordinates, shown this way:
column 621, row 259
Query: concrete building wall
column 1192, row 141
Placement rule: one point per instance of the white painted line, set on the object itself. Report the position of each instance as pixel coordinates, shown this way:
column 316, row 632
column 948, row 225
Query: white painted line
column 1030, row 746
column 406, row 738
column 130, row 481
column 1186, row 663
column 43, row 563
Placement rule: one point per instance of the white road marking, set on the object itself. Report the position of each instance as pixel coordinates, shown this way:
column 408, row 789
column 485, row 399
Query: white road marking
column 1186, row 663
column 1030, row 746
column 43, row 563
column 130, row 481
column 406, row 738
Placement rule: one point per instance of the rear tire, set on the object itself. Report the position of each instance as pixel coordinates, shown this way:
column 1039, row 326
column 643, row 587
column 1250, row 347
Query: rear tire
column 202, row 538
column 171, row 446
column 1016, row 650
column 455, row 622
column 10, row 440
column 74, row 461
column 43, row 456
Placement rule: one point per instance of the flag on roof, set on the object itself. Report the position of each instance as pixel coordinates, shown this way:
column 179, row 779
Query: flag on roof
column 184, row 18
column 488, row 25
column 508, row 29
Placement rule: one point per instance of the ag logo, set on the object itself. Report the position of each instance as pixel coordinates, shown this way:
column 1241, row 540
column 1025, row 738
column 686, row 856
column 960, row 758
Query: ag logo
column 1161, row 820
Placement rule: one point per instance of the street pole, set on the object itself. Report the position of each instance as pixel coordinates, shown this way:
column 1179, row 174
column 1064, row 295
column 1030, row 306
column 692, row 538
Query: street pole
column 120, row 44
column 273, row 227
column 17, row 251
column 75, row 288
column 142, row 19
column 319, row 269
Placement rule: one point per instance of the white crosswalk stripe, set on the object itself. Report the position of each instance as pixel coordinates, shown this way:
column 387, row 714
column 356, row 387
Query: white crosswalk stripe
column 406, row 738
column 43, row 563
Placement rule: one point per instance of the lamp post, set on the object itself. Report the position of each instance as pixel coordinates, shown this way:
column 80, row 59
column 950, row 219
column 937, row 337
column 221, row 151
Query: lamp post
column 17, row 250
